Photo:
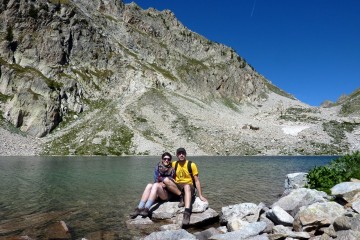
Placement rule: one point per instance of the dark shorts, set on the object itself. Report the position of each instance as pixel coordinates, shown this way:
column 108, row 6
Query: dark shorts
column 181, row 186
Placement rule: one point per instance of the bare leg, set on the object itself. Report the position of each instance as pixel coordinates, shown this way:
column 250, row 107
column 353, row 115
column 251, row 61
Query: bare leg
column 158, row 191
column 146, row 192
column 187, row 198
column 171, row 186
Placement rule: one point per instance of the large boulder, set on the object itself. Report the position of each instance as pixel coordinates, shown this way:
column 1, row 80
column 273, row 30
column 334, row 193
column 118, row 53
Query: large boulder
column 349, row 191
column 299, row 198
column 248, row 212
column 165, row 210
column 317, row 215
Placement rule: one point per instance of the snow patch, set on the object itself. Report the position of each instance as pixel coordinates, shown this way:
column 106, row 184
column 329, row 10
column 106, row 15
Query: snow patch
column 294, row 130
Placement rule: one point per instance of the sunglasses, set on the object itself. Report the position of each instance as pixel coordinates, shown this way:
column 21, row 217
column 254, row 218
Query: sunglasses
column 166, row 159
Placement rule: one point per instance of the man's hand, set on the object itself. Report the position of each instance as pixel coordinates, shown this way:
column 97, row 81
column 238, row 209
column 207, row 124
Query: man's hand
column 203, row 199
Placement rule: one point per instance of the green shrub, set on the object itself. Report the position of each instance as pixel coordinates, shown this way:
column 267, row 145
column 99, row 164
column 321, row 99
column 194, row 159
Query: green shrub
column 339, row 170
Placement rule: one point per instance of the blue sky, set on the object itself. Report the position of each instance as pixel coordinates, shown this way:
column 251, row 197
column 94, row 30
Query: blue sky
column 309, row 48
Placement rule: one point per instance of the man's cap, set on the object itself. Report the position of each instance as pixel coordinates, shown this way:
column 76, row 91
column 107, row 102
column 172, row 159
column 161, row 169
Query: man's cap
column 179, row 150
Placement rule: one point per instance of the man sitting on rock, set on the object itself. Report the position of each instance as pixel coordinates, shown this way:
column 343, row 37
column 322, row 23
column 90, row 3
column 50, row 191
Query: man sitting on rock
column 186, row 176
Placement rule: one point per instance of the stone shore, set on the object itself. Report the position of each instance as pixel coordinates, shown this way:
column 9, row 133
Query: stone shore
column 13, row 144
column 300, row 213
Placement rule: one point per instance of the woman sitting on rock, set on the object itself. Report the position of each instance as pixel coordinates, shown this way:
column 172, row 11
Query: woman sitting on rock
column 157, row 189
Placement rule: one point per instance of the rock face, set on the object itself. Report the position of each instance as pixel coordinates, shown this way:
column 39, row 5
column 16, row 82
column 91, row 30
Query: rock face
column 110, row 78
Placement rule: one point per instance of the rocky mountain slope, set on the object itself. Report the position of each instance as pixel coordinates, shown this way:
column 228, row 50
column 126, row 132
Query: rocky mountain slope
column 107, row 78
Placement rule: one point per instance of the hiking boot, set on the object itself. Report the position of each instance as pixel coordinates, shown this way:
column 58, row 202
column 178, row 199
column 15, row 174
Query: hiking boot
column 186, row 219
column 144, row 212
column 135, row 213
column 181, row 203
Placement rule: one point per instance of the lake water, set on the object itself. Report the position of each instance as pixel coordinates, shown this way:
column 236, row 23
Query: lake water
column 96, row 194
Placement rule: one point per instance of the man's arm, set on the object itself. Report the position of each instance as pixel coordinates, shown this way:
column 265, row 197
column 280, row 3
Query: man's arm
column 198, row 186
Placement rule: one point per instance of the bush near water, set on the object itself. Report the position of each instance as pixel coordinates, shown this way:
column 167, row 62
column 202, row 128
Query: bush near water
column 342, row 169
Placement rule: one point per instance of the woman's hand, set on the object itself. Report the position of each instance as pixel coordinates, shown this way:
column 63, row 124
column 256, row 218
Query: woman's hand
column 162, row 185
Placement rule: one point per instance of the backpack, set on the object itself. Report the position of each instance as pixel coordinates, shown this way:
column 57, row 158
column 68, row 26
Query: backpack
column 189, row 170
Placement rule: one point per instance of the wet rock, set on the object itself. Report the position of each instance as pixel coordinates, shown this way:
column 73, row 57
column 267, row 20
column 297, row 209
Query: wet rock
column 58, row 230
column 139, row 222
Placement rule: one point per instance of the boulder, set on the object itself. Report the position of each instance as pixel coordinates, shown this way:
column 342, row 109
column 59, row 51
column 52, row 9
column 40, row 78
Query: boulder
column 295, row 180
column 170, row 235
column 235, row 224
column 58, row 230
column 248, row 212
column 342, row 223
column 284, row 232
column 199, row 206
column 165, row 210
column 280, row 216
column 356, row 206
column 200, row 219
column 206, row 234
column 170, row 227
column 139, row 222
column 317, row 215
column 348, row 235
column 250, row 230
column 345, row 187
column 299, row 198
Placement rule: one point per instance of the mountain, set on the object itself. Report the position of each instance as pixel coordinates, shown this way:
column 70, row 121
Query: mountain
column 106, row 78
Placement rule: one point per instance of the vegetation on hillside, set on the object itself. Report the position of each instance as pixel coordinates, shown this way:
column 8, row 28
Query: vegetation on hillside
column 339, row 170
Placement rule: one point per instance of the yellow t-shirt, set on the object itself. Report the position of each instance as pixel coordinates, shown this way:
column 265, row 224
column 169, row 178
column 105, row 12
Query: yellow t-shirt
column 182, row 173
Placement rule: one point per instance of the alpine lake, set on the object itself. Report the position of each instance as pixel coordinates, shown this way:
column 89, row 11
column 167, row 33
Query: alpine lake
column 94, row 195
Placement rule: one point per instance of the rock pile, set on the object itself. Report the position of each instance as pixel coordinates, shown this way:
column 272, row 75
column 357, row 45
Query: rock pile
column 301, row 213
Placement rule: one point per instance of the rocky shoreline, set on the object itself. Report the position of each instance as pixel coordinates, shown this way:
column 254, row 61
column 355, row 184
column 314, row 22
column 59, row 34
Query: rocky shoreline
column 14, row 144
column 300, row 213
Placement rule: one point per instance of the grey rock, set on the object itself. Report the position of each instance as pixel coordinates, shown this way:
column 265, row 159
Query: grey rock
column 348, row 235
column 251, row 230
column 166, row 210
column 356, row 206
column 317, row 215
column 295, row 180
column 342, row 223
column 199, row 219
column 349, row 191
column 199, row 206
column 170, row 235
column 206, row 234
column 299, row 198
column 249, row 212
column 286, row 232
column 139, row 222
column 280, row 216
